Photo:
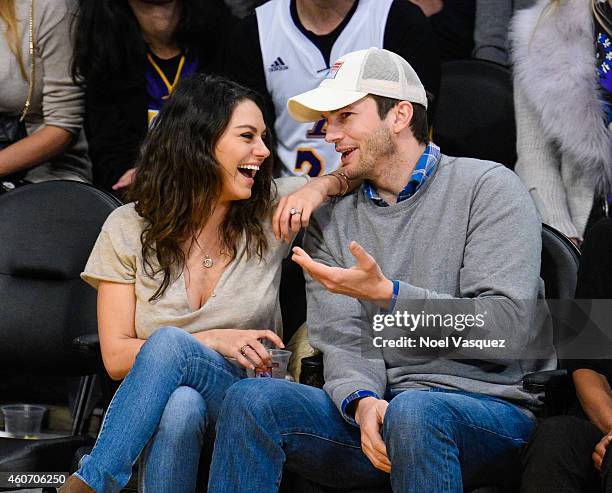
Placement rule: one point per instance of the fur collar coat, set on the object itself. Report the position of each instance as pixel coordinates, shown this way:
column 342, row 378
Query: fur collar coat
column 553, row 53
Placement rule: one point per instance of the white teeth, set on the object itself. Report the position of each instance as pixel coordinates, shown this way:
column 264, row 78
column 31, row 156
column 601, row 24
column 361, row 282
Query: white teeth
column 249, row 166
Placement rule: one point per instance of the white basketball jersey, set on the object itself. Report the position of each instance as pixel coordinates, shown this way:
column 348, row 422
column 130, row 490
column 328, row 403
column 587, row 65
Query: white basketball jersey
column 293, row 65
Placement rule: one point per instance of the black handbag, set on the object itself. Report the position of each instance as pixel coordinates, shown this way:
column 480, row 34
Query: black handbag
column 12, row 129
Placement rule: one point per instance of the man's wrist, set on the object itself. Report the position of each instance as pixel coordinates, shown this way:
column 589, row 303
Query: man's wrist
column 348, row 404
column 341, row 184
column 383, row 293
column 361, row 404
column 326, row 185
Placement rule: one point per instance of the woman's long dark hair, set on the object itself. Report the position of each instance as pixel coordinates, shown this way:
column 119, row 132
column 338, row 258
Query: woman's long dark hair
column 178, row 179
column 108, row 42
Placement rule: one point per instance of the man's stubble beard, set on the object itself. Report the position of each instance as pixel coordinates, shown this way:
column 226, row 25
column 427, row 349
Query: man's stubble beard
column 377, row 147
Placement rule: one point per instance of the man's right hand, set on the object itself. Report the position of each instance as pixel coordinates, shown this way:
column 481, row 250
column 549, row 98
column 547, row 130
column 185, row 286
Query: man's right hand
column 370, row 414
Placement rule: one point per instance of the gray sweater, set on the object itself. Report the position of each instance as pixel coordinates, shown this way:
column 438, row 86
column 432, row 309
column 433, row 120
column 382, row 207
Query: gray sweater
column 468, row 241
column 56, row 99
column 491, row 28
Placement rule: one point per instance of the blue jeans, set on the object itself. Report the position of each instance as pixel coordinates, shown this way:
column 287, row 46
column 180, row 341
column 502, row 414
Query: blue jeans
column 155, row 389
column 176, row 445
column 437, row 441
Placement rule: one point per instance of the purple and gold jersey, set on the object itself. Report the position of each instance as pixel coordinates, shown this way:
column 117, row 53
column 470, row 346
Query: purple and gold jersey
column 158, row 75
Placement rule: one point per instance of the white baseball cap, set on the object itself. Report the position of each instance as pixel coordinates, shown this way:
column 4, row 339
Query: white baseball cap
column 354, row 76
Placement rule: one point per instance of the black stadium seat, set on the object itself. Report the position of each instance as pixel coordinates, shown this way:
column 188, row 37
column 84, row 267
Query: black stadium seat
column 475, row 112
column 47, row 231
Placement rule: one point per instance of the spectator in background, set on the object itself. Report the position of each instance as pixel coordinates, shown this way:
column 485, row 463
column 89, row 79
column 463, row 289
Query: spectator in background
column 453, row 24
column 464, row 28
column 242, row 8
column 569, row 453
column 54, row 147
column 561, row 52
column 286, row 49
column 472, row 28
column 131, row 54
column 491, row 28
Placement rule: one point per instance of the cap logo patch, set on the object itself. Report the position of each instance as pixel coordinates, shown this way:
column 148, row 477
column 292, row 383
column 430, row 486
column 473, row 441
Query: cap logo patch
column 334, row 70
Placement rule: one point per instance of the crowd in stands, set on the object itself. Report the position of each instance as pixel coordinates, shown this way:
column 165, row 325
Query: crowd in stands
column 84, row 95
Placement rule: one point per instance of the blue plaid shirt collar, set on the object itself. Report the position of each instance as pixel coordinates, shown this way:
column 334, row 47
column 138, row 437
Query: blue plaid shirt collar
column 422, row 171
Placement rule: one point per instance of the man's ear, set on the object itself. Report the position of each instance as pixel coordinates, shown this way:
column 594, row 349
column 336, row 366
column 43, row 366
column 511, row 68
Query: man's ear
column 402, row 112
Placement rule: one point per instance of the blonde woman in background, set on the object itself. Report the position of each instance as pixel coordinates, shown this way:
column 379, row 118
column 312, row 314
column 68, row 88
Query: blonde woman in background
column 54, row 146
column 562, row 57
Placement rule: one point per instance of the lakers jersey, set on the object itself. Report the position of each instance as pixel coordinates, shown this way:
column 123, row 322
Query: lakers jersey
column 293, row 65
column 159, row 87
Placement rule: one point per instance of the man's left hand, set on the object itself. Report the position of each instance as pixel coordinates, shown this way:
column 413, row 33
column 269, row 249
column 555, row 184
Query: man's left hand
column 364, row 281
column 370, row 415
column 600, row 451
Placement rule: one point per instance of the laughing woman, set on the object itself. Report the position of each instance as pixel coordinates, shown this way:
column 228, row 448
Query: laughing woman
column 188, row 277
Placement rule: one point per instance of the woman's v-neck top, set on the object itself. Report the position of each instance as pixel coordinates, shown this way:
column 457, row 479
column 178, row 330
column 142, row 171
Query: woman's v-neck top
column 245, row 296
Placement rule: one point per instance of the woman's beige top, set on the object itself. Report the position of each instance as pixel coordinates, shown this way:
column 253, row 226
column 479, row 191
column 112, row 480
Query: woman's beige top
column 245, row 297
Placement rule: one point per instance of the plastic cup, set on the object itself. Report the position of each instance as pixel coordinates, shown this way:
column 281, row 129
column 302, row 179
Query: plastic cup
column 23, row 420
column 280, row 360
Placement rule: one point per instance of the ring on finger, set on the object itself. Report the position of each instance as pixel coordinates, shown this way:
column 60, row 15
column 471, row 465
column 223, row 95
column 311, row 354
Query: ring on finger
column 243, row 349
column 295, row 212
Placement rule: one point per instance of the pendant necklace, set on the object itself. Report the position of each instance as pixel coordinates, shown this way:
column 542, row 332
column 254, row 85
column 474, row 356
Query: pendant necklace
column 207, row 262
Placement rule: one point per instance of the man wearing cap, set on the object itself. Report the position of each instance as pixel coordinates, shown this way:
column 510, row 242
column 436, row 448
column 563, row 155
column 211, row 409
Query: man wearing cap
column 289, row 46
column 426, row 234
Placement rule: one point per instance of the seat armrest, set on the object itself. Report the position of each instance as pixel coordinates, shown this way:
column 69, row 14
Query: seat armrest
column 87, row 344
column 542, row 381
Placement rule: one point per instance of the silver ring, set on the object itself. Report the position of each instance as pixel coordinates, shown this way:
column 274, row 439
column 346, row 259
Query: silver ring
column 242, row 350
column 295, row 212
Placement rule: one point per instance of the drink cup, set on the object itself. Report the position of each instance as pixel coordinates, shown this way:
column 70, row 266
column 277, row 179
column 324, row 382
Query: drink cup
column 280, row 360
column 23, row 420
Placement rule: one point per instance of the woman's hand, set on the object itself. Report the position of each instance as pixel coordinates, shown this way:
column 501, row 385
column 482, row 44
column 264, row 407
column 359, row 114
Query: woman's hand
column 306, row 200
column 600, row 451
column 242, row 345
column 126, row 179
